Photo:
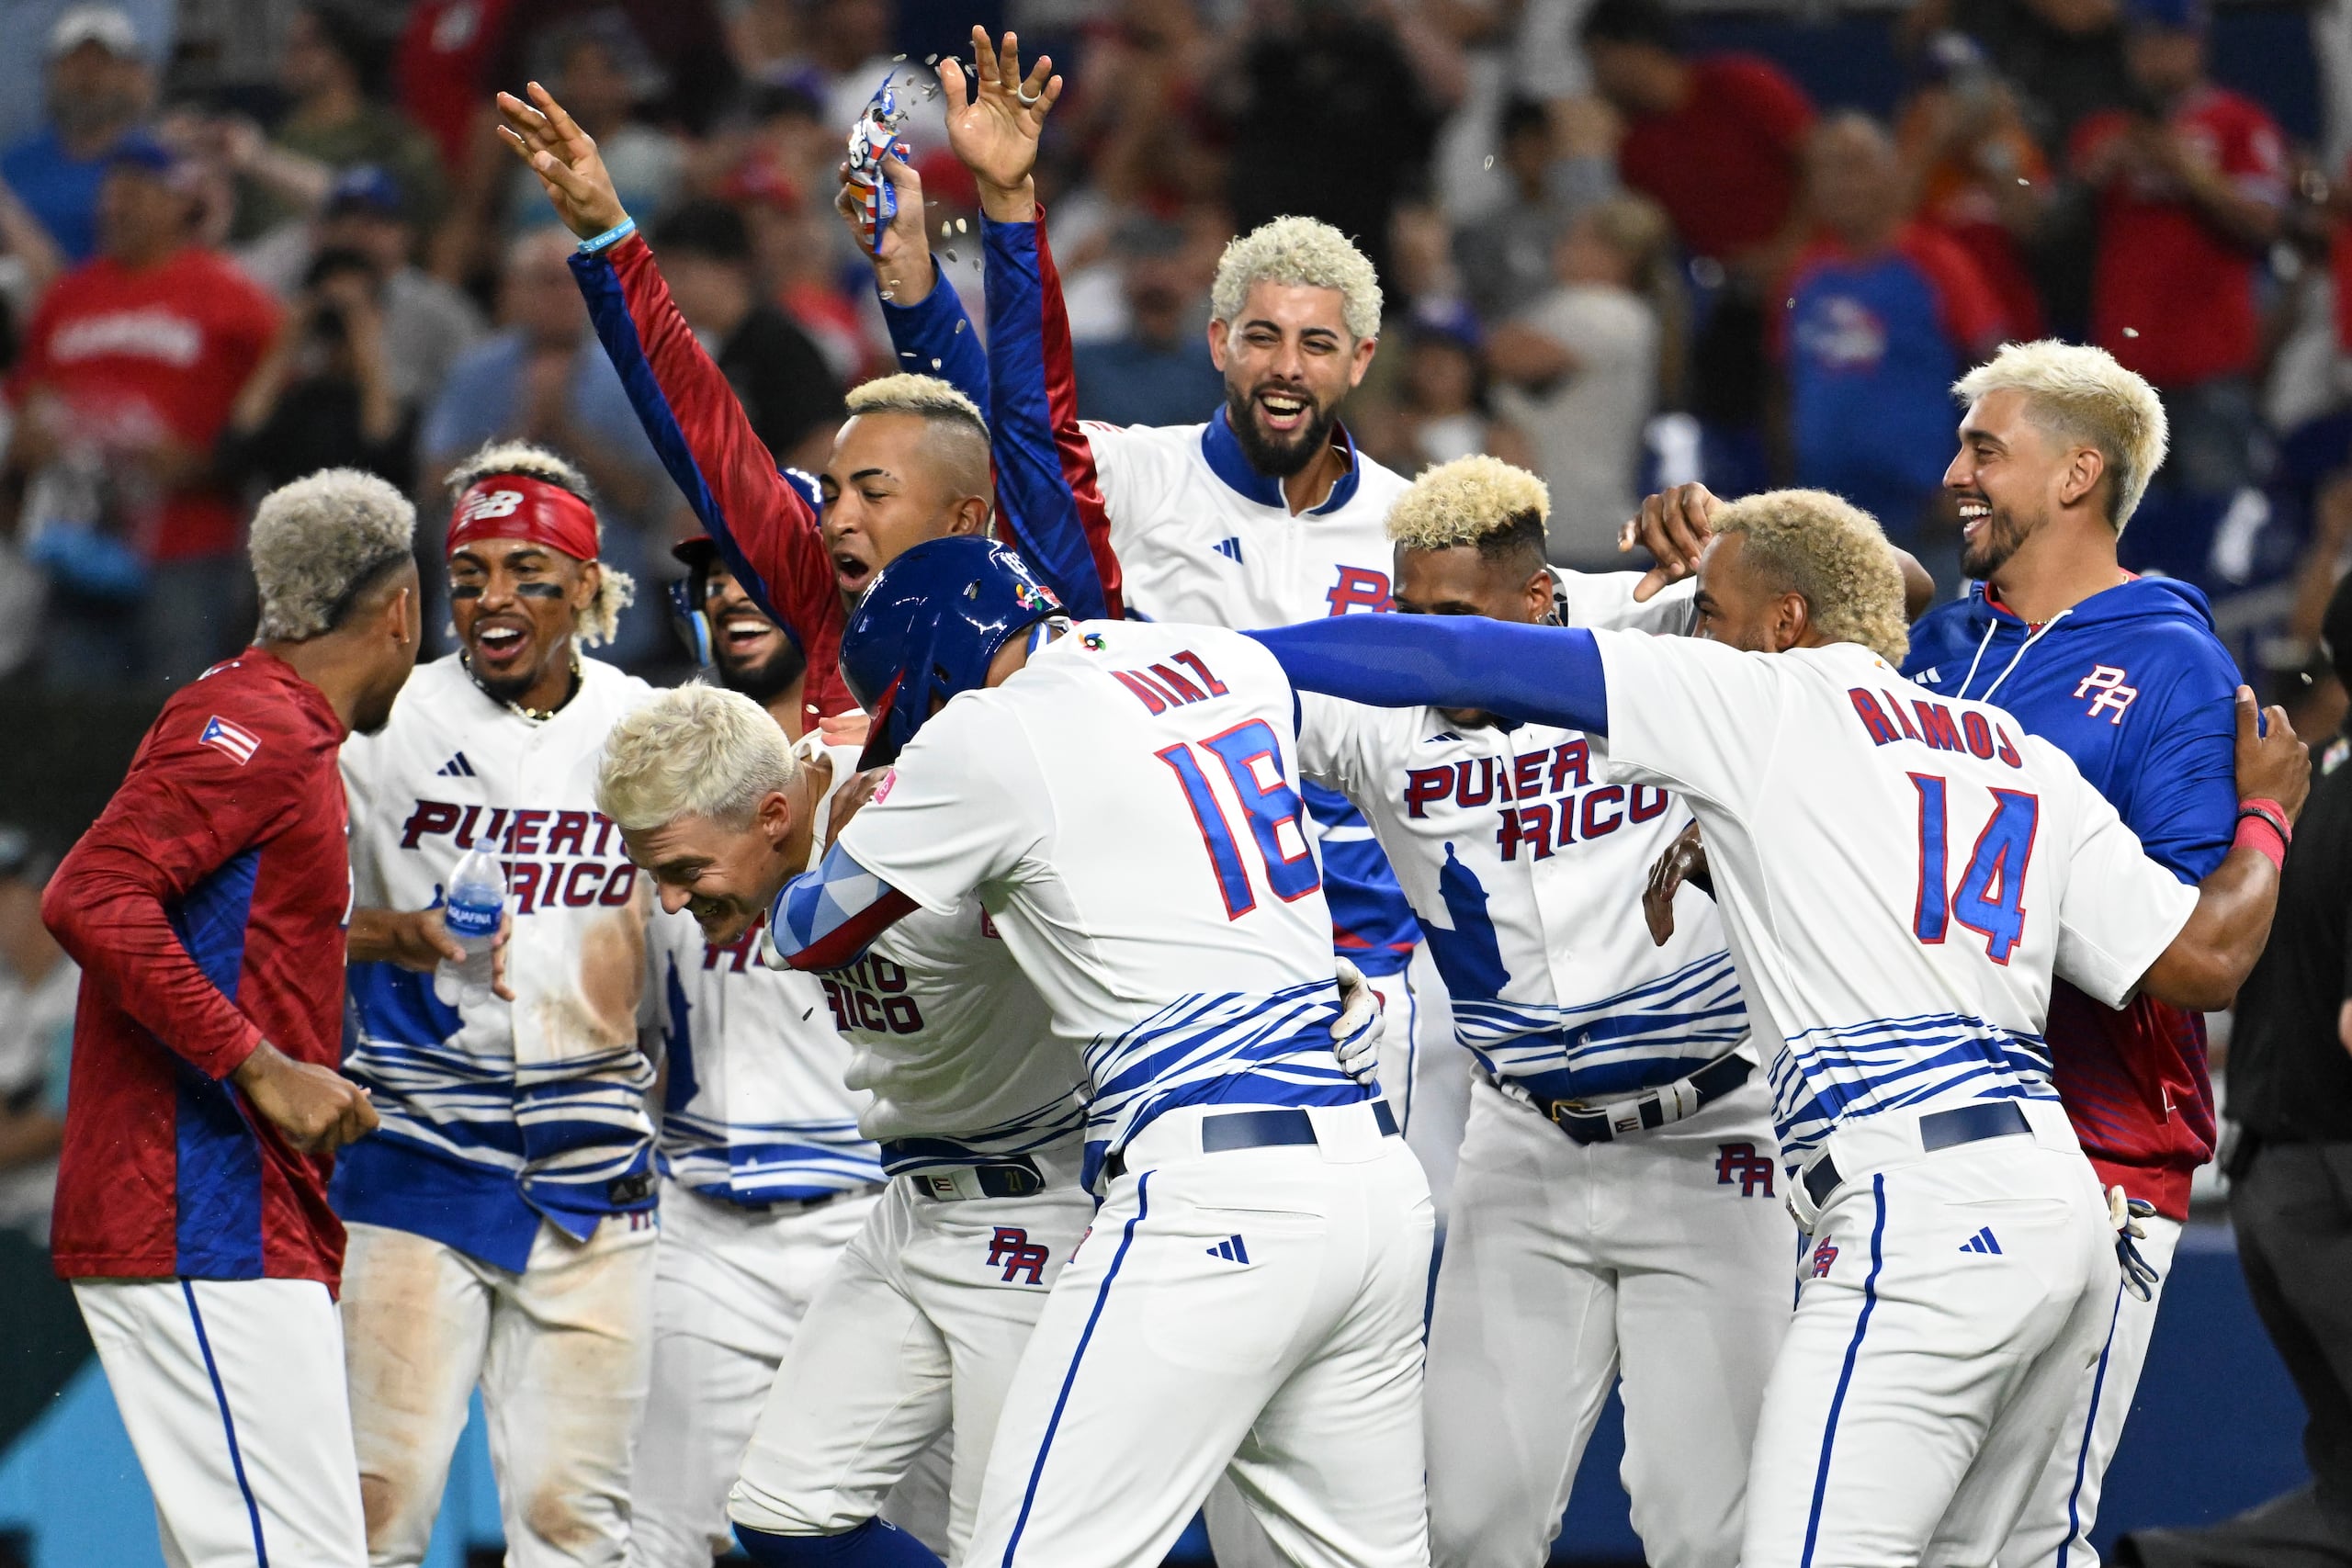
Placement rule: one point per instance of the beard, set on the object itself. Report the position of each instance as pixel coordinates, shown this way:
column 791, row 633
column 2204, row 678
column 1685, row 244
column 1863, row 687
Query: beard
column 2001, row 537
column 505, row 689
column 770, row 678
column 1277, row 457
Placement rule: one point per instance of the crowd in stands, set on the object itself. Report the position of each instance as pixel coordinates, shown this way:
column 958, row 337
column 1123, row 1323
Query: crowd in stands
column 240, row 241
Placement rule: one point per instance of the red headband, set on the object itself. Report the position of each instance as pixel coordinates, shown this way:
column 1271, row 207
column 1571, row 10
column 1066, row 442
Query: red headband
column 517, row 506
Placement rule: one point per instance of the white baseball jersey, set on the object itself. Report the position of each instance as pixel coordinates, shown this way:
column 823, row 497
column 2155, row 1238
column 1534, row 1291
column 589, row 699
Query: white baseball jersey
column 1126, row 809
column 497, row 1113
column 1202, row 538
column 754, row 1106
column 1525, row 865
column 1900, row 873
column 948, row 1039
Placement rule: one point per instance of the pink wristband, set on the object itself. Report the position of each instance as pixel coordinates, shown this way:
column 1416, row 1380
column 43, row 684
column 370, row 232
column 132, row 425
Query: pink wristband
column 2260, row 834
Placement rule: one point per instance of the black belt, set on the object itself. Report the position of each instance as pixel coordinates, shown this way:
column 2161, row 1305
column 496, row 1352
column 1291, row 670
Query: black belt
column 1258, row 1130
column 1938, row 1130
column 1598, row 1123
column 803, row 1206
column 999, row 1179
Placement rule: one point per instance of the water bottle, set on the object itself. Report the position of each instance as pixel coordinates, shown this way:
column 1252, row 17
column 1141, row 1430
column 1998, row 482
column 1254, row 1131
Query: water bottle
column 476, row 904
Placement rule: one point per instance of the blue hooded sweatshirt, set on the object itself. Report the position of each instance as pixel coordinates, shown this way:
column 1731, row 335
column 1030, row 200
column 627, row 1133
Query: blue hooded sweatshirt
column 2134, row 685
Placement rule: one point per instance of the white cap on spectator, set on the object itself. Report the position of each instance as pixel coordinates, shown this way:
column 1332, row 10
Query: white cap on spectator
column 108, row 26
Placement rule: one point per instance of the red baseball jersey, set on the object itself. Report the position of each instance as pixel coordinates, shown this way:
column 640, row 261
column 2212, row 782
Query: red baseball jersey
column 2181, row 290
column 1724, row 164
column 207, row 907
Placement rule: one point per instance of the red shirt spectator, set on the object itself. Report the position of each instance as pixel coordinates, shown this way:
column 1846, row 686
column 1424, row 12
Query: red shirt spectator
column 2172, row 297
column 444, row 53
column 1724, row 162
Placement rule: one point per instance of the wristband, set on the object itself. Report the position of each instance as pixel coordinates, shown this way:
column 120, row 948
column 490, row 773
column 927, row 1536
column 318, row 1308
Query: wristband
column 2270, row 811
column 2258, row 832
column 610, row 238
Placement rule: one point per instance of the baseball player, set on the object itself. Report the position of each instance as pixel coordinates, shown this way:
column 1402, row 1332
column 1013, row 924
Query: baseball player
column 1899, row 873
column 206, row 907
column 1252, row 1291
column 921, row 1326
column 502, row 1224
column 1266, row 514
column 766, row 1178
column 1617, row 1202
column 2057, row 447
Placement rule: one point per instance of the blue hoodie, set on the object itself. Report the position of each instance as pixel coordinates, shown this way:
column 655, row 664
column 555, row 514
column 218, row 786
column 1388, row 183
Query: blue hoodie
column 2133, row 684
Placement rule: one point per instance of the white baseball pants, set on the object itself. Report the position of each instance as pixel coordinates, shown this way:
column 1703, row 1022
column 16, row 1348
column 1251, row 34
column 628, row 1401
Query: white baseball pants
column 1254, row 1312
column 730, row 1288
column 563, row 1352
column 2055, row 1529
column 1662, row 1257
column 918, row 1333
column 232, row 1392
column 1948, row 1310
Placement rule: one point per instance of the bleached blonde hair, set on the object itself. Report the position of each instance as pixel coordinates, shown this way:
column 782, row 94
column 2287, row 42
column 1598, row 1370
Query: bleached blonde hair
column 2082, row 396
column 926, row 396
column 1298, row 250
column 1835, row 555
column 617, row 590
column 1475, row 501
column 694, row 750
column 317, row 542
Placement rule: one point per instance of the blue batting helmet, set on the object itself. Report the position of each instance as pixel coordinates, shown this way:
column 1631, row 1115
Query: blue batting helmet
column 928, row 627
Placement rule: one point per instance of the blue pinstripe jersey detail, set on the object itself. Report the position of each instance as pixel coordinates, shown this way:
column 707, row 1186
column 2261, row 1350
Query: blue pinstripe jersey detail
column 1926, row 1062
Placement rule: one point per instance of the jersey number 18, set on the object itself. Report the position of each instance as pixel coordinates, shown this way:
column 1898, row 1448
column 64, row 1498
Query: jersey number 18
column 1252, row 760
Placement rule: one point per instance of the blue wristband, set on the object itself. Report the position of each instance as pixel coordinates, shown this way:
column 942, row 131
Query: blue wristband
column 610, row 238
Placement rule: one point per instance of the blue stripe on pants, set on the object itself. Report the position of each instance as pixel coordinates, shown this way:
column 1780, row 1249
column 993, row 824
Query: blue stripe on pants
column 2090, row 1425
column 228, row 1424
column 1846, row 1376
column 1102, row 1294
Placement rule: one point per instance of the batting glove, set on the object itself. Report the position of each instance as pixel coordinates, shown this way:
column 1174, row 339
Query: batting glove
column 1355, row 1034
column 2125, row 1213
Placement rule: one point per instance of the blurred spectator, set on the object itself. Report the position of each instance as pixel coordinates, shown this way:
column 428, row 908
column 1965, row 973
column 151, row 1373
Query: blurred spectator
column 441, row 68
column 23, row 70
column 2066, row 56
column 1505, row 259
column 788, row 393
column 1977, row 174
column 2191, row 183
column 1580, row 372
column 38, row 984
column 1440, row 412
column 426, row 323
column 97, row 89
column 793, row 241
column 542, row 378
column 599, row 69
column 334, row 70
column 1144, row 105
column 322, row 397
column 1159, row 371
column 1883, row 315
column 1717, row 141
column 1335, row 121
column 2290, row 1170
column 682, row 43
column 130, row 368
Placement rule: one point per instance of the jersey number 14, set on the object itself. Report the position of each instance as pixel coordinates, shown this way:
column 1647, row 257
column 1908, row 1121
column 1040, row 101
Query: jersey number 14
column 1990, row 898
column 1252, row 760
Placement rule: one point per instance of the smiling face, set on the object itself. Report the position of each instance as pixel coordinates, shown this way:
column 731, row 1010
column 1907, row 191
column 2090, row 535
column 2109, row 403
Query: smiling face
column 727, row 877
column 1289, row 360
column 517, row 605
column 895, row 480
column 754, row 656
column 2010, row 476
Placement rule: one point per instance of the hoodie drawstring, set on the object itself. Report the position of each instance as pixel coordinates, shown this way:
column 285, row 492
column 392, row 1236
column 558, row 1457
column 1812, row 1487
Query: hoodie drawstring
column 1990, row 627
column 2031, row 638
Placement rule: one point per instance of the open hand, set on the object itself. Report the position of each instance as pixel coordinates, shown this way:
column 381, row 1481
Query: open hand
column 565, row 158
column 995, row 134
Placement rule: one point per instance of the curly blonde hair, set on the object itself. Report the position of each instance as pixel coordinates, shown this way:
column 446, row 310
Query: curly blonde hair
column 616, row 590
column 2082, row 396
column 1835, row 555
column 317, row 542
column 694, row 751
column 1478, row 501
column 1298, row 250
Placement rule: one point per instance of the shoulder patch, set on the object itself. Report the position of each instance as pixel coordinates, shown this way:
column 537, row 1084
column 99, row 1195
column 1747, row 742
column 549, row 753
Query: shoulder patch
column 238, row 743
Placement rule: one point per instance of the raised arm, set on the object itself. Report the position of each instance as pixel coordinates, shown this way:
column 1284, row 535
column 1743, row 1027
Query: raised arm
column 930, row 333
column 765, row 526
column 1048, row 494
column 1541, row 674
column 2209, row 959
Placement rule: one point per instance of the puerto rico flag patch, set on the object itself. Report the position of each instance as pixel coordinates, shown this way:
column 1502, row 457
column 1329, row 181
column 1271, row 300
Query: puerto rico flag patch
column 219, row 734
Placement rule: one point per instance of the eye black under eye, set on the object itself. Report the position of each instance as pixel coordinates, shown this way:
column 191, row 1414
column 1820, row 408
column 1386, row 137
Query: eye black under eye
column 465, row 591
column 538, row 590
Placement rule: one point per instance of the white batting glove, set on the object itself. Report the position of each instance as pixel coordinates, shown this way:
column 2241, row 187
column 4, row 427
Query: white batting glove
column 2125, row 1212
column 1355, row 1034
